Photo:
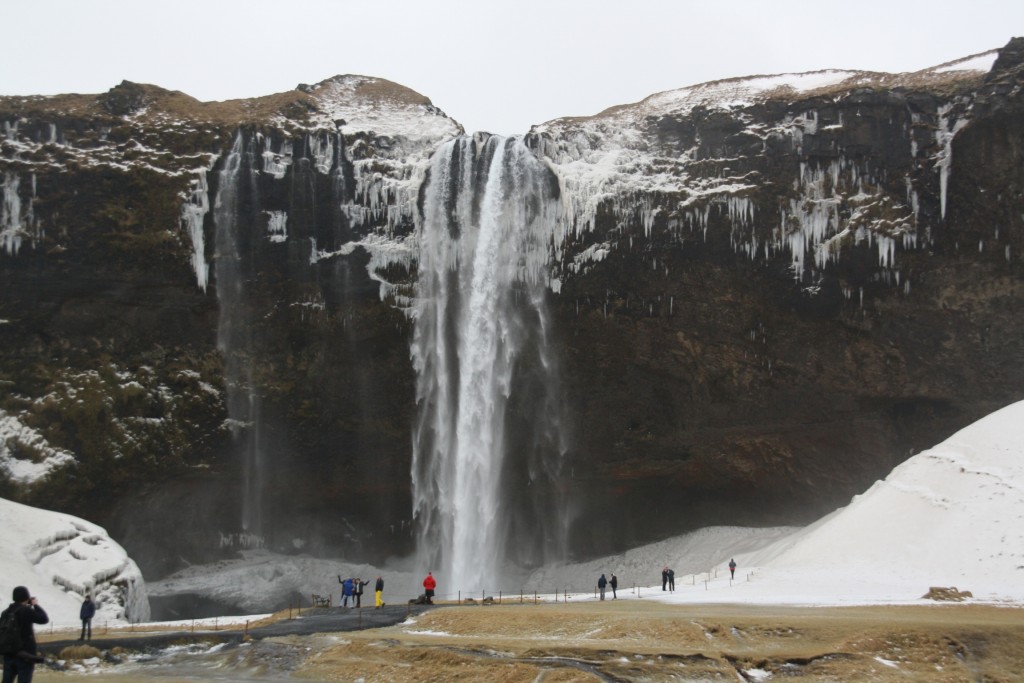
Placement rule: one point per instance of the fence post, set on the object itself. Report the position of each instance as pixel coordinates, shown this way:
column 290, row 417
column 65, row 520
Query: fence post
column 460, row 596
column 499, row 597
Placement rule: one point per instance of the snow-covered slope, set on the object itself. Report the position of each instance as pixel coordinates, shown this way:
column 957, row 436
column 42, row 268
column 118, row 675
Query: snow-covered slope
column 60, row 558
column 950, row 516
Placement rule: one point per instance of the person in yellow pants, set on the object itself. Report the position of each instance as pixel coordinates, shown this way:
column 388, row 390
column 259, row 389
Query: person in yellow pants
column 378, row 589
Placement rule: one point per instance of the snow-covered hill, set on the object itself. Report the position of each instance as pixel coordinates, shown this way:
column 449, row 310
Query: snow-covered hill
column 60, row 558
column 950, row 516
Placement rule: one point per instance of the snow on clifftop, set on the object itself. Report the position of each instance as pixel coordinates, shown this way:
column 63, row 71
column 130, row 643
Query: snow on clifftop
column 741, row 92
column 60, row 558
column 645, row 161
column 374, row 105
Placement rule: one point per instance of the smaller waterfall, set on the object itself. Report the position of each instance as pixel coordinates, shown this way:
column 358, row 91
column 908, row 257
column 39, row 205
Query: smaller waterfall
column 234, row 333
column 488, row 216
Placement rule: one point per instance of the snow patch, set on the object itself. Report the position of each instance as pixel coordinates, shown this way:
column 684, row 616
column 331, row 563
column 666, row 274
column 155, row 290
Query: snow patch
column 60, row 558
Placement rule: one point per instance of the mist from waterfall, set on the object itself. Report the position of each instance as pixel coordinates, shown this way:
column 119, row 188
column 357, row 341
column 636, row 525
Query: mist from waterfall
column 234, row 331
column 489, row 439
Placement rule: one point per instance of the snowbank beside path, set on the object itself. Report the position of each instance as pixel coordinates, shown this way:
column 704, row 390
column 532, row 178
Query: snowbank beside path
column 60, row 558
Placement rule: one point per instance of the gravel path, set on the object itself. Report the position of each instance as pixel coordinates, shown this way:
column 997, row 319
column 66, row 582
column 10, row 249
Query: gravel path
column 312, row 620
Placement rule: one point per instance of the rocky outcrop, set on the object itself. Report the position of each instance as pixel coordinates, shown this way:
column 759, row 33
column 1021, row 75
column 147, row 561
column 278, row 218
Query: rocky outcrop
column 765, row 293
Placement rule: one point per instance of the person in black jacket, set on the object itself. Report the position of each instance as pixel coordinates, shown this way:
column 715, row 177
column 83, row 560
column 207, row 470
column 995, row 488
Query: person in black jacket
column 614, row 583
column 378, row 589
column 86, row 614
column 601, row 583
column 357, row 591
column 27, row 612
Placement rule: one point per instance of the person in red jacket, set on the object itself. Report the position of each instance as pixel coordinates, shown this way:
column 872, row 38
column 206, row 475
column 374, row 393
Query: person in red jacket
column 428, row 588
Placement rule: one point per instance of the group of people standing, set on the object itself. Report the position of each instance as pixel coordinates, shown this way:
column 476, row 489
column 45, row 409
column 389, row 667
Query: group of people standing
column 352, row 589
column 603, row 583
column 668, row 580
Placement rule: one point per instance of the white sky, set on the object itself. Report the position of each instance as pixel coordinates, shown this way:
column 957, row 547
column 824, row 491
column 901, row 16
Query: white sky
column 492, row 65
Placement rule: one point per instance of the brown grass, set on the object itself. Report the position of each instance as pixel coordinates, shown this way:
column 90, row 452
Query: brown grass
column 640, row 640
column 634, row 640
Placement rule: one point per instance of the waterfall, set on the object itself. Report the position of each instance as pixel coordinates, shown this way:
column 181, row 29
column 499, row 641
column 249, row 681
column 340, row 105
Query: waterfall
column 235, row 327
column 488, row 440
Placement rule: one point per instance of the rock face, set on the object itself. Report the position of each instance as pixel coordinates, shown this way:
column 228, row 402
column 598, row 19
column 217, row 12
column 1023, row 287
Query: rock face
column 764, row 294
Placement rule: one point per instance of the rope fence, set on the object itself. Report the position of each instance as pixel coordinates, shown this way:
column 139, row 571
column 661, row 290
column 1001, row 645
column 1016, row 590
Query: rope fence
column 521, row 596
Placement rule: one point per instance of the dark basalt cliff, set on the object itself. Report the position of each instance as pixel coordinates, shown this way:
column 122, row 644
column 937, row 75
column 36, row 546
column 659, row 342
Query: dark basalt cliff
column 763, row 299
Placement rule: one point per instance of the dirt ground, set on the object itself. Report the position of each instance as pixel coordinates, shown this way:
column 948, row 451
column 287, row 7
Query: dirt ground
column 634, row 640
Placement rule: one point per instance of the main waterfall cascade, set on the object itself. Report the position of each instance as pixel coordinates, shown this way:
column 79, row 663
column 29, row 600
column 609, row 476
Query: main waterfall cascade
column 489, row 438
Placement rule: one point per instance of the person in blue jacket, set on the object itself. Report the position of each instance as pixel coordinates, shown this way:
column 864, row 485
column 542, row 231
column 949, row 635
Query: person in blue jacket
column 86, row 614
column 347, row 587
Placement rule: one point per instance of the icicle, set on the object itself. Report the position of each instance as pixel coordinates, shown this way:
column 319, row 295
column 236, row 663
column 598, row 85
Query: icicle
column 193, row 213
column 10, row 214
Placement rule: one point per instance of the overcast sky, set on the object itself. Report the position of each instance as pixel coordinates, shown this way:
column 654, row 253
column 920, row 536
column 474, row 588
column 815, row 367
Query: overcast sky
column 493, row 65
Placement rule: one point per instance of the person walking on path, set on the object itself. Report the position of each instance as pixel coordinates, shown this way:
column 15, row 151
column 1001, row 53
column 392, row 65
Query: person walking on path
column 26, row 612
column 614, row 584
column 664, row 577
column 732, row 568
column 86, row 614
column 601, row 583
column 429, row 584
column 378, row 591
column 671, row 580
